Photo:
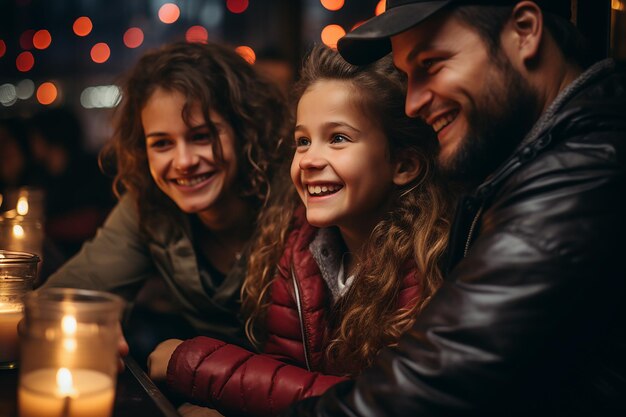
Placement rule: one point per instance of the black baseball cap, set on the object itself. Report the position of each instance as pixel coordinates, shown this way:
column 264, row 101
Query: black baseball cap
column 370, row 41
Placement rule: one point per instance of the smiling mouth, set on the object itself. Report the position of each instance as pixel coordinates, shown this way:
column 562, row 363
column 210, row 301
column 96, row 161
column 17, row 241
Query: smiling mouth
column 444, row 121
column 191, row 181
column 322, row 190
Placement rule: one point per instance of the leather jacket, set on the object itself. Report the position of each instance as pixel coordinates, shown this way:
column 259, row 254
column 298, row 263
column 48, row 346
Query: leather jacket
column 531, row 318
column 292, row 365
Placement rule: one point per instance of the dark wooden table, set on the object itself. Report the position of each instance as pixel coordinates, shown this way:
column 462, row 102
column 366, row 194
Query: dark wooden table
column 135, row 396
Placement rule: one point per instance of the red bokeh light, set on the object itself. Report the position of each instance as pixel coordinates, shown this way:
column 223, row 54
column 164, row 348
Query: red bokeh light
column 380, row 7
column 42, row 39
column 82, row 26
column 237, row 6
column 246, row 53
column 100, row 53
column 169, row 13
column 47, row 93
column 197, row 34
column 133, row 38
column 25, row 61
column 3, row 48
column 331, row 34
column 332, row 5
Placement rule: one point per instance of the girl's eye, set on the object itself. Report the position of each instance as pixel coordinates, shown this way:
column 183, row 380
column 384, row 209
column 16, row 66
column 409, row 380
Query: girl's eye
column 429, row 64
column 302, row 141
column 339, row 138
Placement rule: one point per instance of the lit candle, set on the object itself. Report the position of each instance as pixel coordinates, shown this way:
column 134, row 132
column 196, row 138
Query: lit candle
column 65, row 393
column 10, row 315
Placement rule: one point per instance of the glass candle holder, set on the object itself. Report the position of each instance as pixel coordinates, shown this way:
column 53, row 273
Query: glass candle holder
column 18, row 271
column 69, row 341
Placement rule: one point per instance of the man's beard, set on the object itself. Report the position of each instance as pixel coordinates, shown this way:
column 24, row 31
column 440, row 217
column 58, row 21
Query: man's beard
column 502, row 117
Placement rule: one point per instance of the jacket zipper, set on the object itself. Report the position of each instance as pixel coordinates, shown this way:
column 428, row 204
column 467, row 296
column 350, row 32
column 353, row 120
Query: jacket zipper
column 300, row 315
column 471, row 231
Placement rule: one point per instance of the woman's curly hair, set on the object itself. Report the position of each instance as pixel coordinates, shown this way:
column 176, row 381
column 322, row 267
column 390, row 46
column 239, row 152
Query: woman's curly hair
column 217, row 79
column 415, row 231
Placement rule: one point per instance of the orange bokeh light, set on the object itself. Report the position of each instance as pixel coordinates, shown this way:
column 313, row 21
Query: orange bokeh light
column 82, row 26
column 3, row 48
column 26, row 39
column 25, row 61
column 331, row 34
column 332, row 5
column 380, row 8
column 100, row 53
column 42, row 39
column 197, row 34
column 47, row 93
column 169, row 13
column 237, row 6
column 133, row 38
column 246, row 53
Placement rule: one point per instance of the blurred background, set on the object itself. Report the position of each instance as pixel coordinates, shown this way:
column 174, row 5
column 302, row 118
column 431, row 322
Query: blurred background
column 60, row 60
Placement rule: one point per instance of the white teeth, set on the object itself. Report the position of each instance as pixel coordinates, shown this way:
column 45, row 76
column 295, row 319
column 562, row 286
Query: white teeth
column 323, row 189
column 444, row 121
column 189, row 182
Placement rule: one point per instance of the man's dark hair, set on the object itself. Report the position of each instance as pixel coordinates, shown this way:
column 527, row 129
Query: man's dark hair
column 490, row 20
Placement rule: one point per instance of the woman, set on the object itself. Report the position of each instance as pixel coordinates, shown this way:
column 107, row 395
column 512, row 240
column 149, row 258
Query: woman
column 198, row 134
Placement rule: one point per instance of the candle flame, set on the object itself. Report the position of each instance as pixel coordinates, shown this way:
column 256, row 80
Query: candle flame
column 18, row 231
column 68, row 324
column 64, row 381
column 22, row 206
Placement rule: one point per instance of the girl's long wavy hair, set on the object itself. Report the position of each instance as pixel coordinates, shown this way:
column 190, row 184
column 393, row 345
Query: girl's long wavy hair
column 367, row 318
column 217, row 79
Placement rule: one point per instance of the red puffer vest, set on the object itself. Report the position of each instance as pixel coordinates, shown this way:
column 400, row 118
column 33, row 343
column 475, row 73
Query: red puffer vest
column 236, row 381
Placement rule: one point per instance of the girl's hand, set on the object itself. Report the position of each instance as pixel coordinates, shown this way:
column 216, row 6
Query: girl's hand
column 160, row 357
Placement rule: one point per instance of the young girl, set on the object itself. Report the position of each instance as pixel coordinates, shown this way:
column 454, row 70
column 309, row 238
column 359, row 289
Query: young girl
column 198, row 134
column 341, row 274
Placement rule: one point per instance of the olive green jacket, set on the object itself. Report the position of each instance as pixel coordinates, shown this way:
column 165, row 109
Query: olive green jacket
column 120, row 258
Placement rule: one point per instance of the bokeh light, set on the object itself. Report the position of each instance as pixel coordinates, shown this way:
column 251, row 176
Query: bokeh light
column 26, row 39
column 42, row 39
column 246, row 53
column 3, row 48
column 331, row 34
column 47, row 93
column 100, row 53
column 133, row 38
column 332, row 5
column 169, row 13
column 82, row 26
column 25, row 61
column 197, row 34
column 25, row 89
column 8, row 94
column 237, row 6
column 380, row 8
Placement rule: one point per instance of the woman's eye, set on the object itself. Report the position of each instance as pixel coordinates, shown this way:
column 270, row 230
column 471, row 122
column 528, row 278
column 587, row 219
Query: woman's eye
column 159, row 144
column 339, row 138
column 200, row 137
column 302, row 141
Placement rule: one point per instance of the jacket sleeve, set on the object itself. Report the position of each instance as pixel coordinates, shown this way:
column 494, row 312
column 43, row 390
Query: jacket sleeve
column 115, row 260
column 532, row 314
column 236, row 381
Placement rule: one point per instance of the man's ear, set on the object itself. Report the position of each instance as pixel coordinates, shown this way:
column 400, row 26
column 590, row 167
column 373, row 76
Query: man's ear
column 408, row 167
column 523, row 33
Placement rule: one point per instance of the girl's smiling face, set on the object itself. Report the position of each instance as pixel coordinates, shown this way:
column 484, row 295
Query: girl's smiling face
column 341, row 167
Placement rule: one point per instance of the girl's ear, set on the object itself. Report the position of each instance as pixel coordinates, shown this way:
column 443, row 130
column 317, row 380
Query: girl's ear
column 408, row 167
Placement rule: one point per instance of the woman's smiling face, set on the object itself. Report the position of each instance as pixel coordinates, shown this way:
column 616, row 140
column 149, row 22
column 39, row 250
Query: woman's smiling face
column 181, row 155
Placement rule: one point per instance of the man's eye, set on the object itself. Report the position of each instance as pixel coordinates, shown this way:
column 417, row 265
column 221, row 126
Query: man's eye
column 302, row 141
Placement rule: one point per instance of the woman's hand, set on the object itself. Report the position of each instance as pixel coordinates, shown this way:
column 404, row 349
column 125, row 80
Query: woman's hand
column 160, row 357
